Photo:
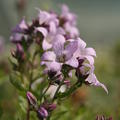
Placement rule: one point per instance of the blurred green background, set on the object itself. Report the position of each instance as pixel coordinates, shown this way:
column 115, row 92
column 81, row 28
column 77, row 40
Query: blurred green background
column 99, row 25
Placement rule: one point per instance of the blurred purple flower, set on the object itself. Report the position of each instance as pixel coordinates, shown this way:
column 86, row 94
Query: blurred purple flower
column 69, row 23
column 67, row 15
column 16, row 37
column 21, row 27
column 18, row 33
column 42, row 113
column 72, row 31
column 50, row 19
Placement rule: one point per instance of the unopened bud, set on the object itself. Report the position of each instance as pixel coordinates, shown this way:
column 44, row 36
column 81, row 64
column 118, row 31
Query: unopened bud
column 20, row 52
column 31, row 99
column 19, row 48
column 42, row 113
column 51, row 107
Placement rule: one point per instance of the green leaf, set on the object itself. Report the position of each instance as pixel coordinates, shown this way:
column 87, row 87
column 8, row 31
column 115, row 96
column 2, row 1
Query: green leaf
column 16, row 82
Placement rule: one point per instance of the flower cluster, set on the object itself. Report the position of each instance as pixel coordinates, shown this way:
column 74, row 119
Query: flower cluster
column 57, row 41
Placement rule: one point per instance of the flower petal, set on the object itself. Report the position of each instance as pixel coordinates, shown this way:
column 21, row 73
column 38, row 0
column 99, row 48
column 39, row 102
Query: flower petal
column 58, row 45
column 23, row 24
column 90, row 51
column 64, row 9
column 42, row 30
column 46, row 45
column 90, row 59
column 70, row 49
column 48, row 56
column 81, row 43
column 60, row 30
column 52, row 27
column 21, row 27
column 43, row 16
column 16, row 37
column 55, row 66
column 72, row 30
column 73, row 62
column 93, row 81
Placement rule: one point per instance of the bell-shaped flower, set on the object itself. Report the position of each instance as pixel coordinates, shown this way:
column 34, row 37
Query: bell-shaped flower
column 82, row 53
column 49, row 35
column 62, row 51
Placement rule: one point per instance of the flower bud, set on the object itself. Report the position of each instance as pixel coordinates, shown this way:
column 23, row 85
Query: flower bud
column 31, row 99
column 20, row 52
column 42, row 113
column 51, row 107
column 19, row 48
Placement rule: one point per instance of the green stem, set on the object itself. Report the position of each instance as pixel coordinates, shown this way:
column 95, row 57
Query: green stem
column 45, row 91
column 54, row 97
column 71, row 90
column 30, row 77
column 28, row 112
